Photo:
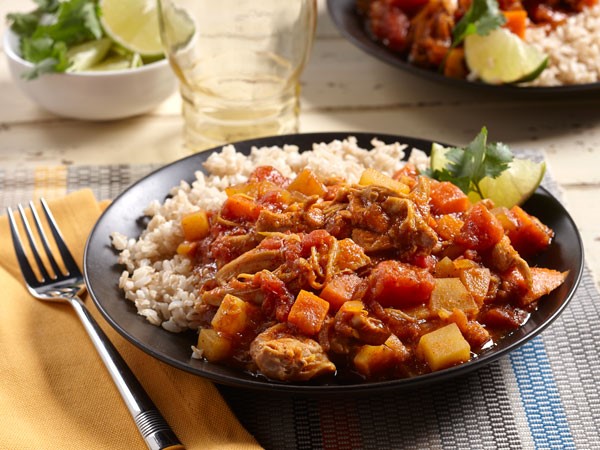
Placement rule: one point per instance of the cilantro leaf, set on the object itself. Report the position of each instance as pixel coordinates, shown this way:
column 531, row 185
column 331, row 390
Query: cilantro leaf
column 47, row 32
column 482, row 17
column 467, row 166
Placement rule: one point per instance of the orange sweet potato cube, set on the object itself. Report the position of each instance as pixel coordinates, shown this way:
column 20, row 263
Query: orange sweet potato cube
column 240, row 207
column 307, row 183
column 308, row 312
column 340, row 289
column 195, row 226
column 371, row 360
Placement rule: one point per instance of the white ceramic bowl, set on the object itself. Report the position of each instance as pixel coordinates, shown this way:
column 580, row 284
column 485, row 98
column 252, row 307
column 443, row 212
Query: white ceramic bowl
column 104, row 95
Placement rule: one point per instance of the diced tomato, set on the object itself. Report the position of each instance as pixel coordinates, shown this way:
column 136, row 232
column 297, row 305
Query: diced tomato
column 317, row 238
column 275, row 199
column 268, row 173
column 531, row 236
column 278, row 300
column 408, row 6
column 398, row 285
column 407, row 175
column 514, row 284
column 481, row 230
column 447, row 198
column 240, row 207
column 390, row 25
column 423, row 261
column 504, row 317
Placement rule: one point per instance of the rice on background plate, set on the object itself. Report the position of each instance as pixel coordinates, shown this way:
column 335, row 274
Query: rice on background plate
column 573, row 49
column 161, row 283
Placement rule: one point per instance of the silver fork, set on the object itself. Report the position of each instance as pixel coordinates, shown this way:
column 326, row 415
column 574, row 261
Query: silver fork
column 66, row 287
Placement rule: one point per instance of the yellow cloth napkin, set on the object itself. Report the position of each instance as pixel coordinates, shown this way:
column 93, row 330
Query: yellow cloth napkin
column 54, row 390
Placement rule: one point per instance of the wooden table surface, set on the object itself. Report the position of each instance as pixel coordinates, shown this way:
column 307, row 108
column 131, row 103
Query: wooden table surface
column 343, row 89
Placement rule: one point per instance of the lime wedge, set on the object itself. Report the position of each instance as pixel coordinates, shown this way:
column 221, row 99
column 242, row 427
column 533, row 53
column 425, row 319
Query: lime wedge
column 502, row 57
column 177, row 27
column 118, row 62
column 132, row 24
column 82, row 57
column 438, row 160
column 515, row 184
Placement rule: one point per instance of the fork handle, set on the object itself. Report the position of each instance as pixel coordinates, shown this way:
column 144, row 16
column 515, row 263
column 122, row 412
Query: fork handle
column 151, row 424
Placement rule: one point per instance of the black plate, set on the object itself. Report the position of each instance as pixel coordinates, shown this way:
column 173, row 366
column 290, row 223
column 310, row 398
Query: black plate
column 125, row 215
column 351, row 25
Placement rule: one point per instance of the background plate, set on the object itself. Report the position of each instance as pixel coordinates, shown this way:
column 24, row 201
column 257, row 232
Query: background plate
column 125, row 215
column 351, row 25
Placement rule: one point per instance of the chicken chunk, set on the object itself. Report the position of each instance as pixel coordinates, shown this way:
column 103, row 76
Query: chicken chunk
column 282, row 356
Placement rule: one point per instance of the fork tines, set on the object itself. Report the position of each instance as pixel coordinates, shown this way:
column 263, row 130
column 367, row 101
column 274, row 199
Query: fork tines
column 24, row 263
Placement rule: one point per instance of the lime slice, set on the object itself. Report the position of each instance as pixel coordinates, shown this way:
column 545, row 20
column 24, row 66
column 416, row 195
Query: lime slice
column 502, row 57
column 438, row 160
column 82, row 57
column 132, row 24
column 177, row 27
column 515, row 184
column 118, row 62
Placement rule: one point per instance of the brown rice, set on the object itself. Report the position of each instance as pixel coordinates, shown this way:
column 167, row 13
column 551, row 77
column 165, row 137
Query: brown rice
column 160, row 282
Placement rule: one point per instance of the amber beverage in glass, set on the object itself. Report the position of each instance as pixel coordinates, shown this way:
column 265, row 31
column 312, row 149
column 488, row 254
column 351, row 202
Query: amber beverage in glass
column 238, row 64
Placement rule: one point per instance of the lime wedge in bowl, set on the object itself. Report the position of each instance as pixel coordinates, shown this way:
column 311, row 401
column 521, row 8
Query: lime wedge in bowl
column 502, row 57
column 133, row 24
column 84, row 56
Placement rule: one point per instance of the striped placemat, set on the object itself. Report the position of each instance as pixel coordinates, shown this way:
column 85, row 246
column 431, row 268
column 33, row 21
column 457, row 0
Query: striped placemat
column 543, row 395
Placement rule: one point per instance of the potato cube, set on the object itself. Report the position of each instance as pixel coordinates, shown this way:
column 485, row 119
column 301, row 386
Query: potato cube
column 307, row 183
column 371, row 360
column 444, row 347
column 374, row 177
column 195, row 226
column 232, row 315
column 214, row 346
column 445, row 268
column 477, row 281
column 450, row 293
column 308, row 313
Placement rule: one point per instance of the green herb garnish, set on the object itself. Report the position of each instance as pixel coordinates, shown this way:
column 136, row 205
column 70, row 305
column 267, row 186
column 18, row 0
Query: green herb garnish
column 482, row 17
column 47, row 32
column 466, row 167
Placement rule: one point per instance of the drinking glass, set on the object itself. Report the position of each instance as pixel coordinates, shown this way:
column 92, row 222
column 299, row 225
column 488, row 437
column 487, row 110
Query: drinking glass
column 238, row 64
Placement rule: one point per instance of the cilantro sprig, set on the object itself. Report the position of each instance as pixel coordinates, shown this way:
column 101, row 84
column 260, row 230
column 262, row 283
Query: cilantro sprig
column 482, row 17
column 47, row 32
column 467, row 166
